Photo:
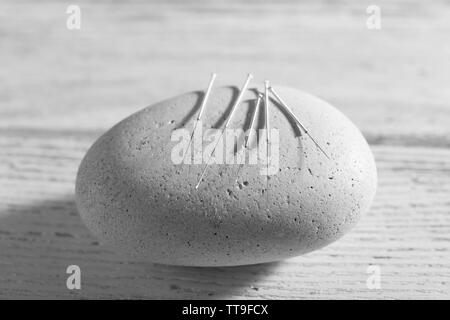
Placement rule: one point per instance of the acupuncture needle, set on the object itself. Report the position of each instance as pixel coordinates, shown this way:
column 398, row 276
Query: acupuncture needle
column 233, row 110
column 247, row 137
column 200, row 113
column 266, row 109
column 297, row 120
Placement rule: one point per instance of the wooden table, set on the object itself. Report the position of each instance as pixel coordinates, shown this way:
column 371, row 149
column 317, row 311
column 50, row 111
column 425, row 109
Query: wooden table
column 60, row 89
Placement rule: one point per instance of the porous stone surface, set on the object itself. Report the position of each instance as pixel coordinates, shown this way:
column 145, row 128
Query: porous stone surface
column 132, row 195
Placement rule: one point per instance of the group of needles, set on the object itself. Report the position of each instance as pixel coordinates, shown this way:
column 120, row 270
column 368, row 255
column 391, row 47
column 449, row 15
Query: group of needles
column 260, row 97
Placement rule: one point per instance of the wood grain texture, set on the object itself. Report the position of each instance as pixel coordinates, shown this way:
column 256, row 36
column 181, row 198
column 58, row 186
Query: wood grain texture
column 60, row 89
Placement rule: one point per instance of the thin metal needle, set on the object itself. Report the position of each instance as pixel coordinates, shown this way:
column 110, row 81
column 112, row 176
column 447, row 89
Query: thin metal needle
column 266, row 104
column 297, row 120
column 200, row 113
column 233, row 110
column 247, row 137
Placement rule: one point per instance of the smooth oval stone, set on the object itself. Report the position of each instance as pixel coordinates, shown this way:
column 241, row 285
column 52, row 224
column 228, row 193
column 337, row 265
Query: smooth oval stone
column 132, row 195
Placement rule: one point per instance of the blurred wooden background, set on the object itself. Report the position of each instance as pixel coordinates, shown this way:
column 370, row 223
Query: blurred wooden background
column 60, row 89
